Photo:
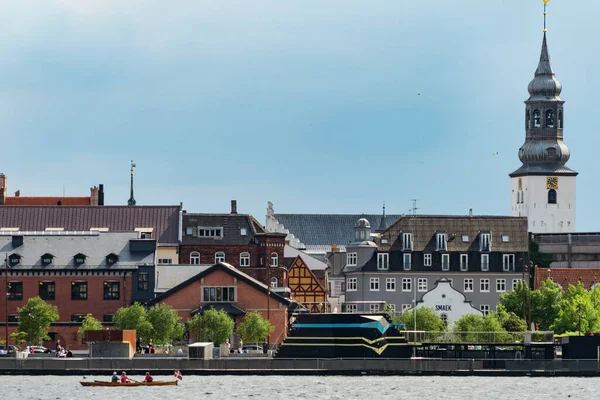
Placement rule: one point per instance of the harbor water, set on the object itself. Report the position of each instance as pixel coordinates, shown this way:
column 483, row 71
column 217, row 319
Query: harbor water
column 307, row 387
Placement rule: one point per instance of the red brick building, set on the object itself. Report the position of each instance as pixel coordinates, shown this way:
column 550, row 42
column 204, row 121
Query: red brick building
column 236, row 239
column 590, row 277
column 224, row 287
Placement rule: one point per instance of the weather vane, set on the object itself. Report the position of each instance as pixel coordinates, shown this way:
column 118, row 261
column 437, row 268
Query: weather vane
column 545, row 13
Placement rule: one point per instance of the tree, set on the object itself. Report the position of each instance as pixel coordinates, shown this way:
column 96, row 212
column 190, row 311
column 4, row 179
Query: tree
column 510, row 321
column 35, row 318
column 18, row 338
column 427, row 320
column 212, row 326
column 542, row 260
column 133, row 317
column 166, row 325
column 255, row 328
column 89, row 323
column 512, row 300
column 545, row 304
column 389, row 312
column 577, row 312
column 473, row 328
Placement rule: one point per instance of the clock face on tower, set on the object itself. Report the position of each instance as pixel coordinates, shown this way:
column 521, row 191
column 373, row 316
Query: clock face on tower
column 552, row 182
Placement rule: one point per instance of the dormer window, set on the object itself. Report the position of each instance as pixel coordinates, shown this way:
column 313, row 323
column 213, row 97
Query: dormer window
column 79, row 259
column 407, row 242
column 14, row 259
column 383, row 261
column 243, row 232
column 112, row 259
column 537, row 119
column 485, row 242
column 47, row 259
column 441, row 242
column 465, row 238
column 351, row 259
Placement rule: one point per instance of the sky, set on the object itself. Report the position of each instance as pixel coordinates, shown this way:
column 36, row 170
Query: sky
column 310, row 104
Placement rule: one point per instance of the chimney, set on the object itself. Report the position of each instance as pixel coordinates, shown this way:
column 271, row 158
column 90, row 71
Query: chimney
column 2, row 189
column 101, row 194
column 470, row 212
column 94, row 196
column 234, row 206
column 18, row 193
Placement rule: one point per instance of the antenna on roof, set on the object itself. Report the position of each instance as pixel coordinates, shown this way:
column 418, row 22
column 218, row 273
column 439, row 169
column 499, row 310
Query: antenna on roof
column 414, row 208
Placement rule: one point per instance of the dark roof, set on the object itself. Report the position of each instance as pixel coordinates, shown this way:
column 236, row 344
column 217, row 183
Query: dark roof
column 425, row 227
column 163, row 219
column 230, row 223
column 328, row 229
column 227, row 307
column 231, row 270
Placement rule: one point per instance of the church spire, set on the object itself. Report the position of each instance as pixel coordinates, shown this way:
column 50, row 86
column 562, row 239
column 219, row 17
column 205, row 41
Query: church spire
column 383, row 224
column 131, row 201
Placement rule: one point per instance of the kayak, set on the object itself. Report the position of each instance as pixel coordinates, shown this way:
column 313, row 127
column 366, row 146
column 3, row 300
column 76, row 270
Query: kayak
column 101, row 383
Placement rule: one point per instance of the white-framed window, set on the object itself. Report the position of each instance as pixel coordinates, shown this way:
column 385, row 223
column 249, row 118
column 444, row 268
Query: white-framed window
column 485, row 242
column 515, row 282
column 422, row 285
column 445, row 262
column 485, row 262
column 374, row 308
column 351, row 285
column 505, row 238
column 274, row 282
column 465, row 238
column 508, row 262
column 441, row 242
column 407, row 284
column 351, row 259
column 194, row 258
column 164, row 261
column 243, row 231
column 405, row 307
column 406, row 261
column 500, row 285
column 351, row 308
column 390, row 284
column 374, row 284
column 219, row 257
column 485, row 309
column 274, row 260
column 468, row 285
column 189, row 230
column 484, row 285
column 464, row 262
column 244, row 259
column 383, row 261
column 427, row 259
column 407, row 242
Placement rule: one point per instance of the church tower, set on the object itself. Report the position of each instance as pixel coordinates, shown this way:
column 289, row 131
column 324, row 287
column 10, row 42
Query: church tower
column 543, row 189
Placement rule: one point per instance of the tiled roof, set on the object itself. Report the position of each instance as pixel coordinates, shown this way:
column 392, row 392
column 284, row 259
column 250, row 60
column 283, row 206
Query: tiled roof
column 425, row 227
column 327, row 229
column 47, row 201
column 230, row 223
column 567, row 276
column 163, row 219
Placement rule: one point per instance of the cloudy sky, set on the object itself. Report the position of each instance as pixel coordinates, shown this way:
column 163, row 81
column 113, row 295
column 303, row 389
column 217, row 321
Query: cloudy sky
column 310, row 104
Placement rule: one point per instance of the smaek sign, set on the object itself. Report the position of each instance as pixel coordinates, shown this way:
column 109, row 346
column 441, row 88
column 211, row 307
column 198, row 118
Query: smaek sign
column 443, row 307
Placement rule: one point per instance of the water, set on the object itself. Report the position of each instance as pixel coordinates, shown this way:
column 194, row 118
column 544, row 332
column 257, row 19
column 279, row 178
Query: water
column 307, row 387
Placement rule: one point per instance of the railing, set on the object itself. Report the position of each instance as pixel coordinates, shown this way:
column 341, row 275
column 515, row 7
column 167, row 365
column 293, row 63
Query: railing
column 475, row 338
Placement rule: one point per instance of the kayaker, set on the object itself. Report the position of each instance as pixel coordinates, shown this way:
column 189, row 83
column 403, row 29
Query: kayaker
column 115, row 378
column 148, row 378
column 124, row 378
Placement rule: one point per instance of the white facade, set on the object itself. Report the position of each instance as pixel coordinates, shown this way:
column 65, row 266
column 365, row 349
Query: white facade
column 529, row 198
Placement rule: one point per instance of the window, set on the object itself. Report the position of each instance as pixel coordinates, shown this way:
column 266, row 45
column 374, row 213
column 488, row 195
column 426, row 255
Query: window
column 508, row 262
column 47, row 290
column 243, row 232
column 374, row 308
column 209, row 232
column 536, row 119
column 362, row 234
column 15, row 290
column 351, row 259
column 351, row 308
column 551, row 151
column 485, row 242
column 390, row 284
column 407, row 242
column 427, row 259
column 515, row 283
column 505, row 238
column 444, row 318
column 163, row 261
column 560, row 119
column 485, row 262
column 468, row 285
column 465, row 238
column 218, row 294
column 47, row 259
column 464, row 262
column 274, row 260
column 527, row 120
column 374, row 284
column 485, row 309
column 189, row 230
column 79, row 259
column 244, row 260
column 422, row 284
column 383, row 261
column 441, row 242
column 500, row 285
column 112, row 290
column 550, row 118
column 406, row 263
column 108, row 317
column 14, row 259
column 145, row 235
column 219, row 257
column 551, row 196
column 274, row 283
column 143, row 284
column 112, row 259
column 445, row 262
column 194, row 258
column 484, row 285
column 13, row 318
column 351, row 284
column 78, row 317
column 407, row 284
column 79, row 290
column 405, row 307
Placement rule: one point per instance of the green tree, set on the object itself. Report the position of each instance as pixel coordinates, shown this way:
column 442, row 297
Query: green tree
column 510, row 321
column 35, row 318
column 389, row 312
column 133, row 317
column 427, row 320
column 545, row 304
column 512, row 300
column 254, row 328
column 577, row 312
column 542, row 260
column 18, row 338
column 166, row 325
column 212, row 326
column 89, row 323
column 473, row 328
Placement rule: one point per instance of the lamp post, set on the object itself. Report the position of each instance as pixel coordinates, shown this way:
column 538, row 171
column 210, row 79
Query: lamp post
column 523, row 287
column 6, row 301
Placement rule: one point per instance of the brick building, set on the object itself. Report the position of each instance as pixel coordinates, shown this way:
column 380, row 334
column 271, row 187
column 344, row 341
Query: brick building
column 563, row 277
column 237, row 239
column 79, row 272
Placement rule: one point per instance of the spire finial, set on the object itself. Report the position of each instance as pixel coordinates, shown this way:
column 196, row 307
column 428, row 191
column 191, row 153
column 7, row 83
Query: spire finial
column 131, row 201
column 545, row 14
